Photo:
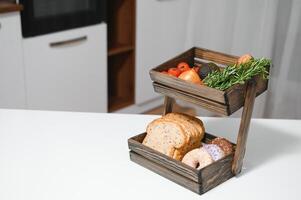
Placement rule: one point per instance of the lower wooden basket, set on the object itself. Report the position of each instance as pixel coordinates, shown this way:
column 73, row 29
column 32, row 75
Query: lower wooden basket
column 199, row 181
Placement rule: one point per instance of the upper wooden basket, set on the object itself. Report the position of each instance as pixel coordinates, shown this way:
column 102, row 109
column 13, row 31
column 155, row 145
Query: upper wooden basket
column 222, row 102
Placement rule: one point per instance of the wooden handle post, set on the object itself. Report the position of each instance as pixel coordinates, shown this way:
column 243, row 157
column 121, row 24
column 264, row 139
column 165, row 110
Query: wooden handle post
column 244, row 127
column 168, row 103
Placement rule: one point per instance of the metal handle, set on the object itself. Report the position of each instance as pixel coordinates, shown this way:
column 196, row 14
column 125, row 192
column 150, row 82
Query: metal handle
column 68, row 42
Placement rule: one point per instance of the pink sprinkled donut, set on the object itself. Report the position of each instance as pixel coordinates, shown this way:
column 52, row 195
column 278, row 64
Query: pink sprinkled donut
column 215, row 151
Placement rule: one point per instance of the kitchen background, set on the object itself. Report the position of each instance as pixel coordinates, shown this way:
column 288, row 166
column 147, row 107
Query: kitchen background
column 94, row 55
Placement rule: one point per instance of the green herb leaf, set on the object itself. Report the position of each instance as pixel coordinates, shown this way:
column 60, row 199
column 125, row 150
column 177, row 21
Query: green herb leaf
column 237, row 74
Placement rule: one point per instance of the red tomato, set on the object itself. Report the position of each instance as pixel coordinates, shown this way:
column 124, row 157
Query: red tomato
column 174, row 71
column 183, row 66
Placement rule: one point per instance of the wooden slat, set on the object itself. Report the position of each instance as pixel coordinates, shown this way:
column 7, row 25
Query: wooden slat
column 215, row 56
column 165, row 172
column 162, row 159
column 138, row 138
column 217, row 173
column 203, row 102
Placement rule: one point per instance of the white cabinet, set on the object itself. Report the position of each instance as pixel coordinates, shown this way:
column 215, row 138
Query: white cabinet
column 161, row 34
column 12, row 89
column 67, row 70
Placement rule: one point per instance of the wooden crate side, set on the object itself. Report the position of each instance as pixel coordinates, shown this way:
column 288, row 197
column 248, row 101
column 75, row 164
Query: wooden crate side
column 215, row 56
column 162, row 159
column 166, row 173
column 199, row 181
column 137, row 138
column 135, row 145
column 235, row 96
column 216, row 173
column 192, row 98
column 200, row 90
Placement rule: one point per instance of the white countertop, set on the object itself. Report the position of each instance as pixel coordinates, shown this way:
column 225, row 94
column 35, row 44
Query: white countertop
column 65, row 155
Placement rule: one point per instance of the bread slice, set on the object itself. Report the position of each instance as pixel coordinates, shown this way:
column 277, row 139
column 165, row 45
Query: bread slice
column 189, row 128
column 174, row 134
column 194, row 122
column 190, row 138
column 182, row 120
column 165, row 136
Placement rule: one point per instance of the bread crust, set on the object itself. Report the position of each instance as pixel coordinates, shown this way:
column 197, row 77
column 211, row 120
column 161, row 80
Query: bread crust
column 197, row 123
column 195, row 140
column 174, row 148
column 160, row 120
column 174, row 134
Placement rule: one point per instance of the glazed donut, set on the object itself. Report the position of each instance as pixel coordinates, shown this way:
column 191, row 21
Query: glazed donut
column 197, row 158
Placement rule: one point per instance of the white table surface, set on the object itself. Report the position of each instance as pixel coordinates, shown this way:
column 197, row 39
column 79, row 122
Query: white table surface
column 65, row 155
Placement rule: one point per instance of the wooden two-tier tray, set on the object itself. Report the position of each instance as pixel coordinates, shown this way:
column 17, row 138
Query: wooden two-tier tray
column 222, row 102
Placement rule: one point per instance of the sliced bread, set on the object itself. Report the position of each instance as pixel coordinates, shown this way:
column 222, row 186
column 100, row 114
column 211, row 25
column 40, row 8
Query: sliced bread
column 165, row 136
column 174, row 134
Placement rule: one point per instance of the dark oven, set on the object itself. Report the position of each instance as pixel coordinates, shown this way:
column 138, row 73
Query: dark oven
column 46, row 16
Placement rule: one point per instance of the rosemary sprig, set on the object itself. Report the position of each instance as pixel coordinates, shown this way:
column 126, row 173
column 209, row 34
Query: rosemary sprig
column 237, row 74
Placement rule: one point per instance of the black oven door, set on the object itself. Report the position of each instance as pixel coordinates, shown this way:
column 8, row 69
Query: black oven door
column 46, row 16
